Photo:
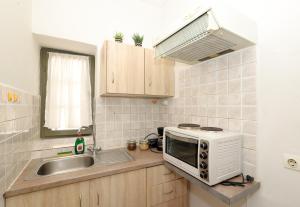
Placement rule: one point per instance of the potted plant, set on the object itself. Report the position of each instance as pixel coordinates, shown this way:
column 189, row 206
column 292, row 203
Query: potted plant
column 119, row 37
column 138, row 39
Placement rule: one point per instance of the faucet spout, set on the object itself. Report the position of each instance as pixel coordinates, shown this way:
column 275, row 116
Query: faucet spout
column 94, row 149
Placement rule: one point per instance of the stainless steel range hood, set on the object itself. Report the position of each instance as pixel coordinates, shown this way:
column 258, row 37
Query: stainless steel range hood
column 207, row 34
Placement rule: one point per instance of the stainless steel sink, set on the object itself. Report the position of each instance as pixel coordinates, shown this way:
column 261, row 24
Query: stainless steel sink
column 53, row 166
column 62, row 165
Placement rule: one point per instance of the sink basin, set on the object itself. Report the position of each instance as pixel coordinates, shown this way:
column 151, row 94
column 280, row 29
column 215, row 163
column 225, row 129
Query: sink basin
column 62, row 165
column 53, row 166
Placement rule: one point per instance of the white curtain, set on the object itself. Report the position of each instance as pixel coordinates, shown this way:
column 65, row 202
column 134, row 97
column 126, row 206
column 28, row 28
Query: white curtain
column 68, row 95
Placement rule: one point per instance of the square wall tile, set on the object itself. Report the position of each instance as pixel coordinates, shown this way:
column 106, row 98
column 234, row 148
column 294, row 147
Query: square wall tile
column 249, row 113
column 234, row 59
column 249, row 55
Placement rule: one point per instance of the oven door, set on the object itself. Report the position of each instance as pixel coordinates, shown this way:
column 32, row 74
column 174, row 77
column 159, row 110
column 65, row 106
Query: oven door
column 183, row 148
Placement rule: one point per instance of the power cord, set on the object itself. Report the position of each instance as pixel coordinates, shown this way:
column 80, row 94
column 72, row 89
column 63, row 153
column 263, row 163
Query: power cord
column 150, row 135
column 152, row 150
column 249, row 179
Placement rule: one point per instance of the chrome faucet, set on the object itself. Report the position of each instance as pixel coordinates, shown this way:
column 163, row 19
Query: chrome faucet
column 93, row 149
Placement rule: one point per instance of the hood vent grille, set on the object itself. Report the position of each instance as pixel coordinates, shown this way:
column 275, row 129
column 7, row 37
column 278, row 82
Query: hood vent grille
column 210, row 45
column 192, row 32
column 199, row 40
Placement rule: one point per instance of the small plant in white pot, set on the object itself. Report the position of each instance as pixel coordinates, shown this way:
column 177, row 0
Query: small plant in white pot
column 119, row 37
column 138, row 39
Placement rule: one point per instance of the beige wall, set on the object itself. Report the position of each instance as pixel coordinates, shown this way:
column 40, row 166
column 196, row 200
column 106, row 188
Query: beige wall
column 94, row 21
column 18, row 51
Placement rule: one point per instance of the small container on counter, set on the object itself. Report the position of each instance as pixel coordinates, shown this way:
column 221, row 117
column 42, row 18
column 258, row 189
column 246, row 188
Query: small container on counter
column 131, row 144
column 144, row 144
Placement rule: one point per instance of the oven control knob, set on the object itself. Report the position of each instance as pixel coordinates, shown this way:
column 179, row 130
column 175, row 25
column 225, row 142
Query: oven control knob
column 203, row 155
column 203, row 165
column 203, row 146
column 203, row 175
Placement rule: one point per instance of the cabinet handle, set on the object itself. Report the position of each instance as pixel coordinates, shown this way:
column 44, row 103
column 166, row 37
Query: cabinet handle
column 168, row 173
column 98, row 199
column 80, row 200
column 113, row 78
column 150, row 83
column 169, row 192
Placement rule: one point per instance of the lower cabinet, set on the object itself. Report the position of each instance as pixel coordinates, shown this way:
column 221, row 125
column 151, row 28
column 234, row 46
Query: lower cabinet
column 75, row 195
column 120, row 190
column 165, row 188
column 154, row 186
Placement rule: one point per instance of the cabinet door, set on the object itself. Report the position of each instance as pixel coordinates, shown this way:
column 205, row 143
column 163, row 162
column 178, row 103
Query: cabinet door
column 165, row 188
column 121, row 190
column 159, row 75
column 160, row 174
column 136, row 70
column 116, row 67
column 75, row 195
column 124, row 69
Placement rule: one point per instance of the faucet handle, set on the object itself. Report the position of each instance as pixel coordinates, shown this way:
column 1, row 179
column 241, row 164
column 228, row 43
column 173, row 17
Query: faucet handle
column 94, row 148
column 97, row 148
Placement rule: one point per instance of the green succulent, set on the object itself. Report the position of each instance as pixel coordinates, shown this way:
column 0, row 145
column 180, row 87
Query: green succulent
column 138, row 39
column 119, row 37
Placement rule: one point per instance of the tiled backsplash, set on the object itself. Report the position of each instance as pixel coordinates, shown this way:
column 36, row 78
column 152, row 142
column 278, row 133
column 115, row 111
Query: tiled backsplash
column 219, row 92
column 120, row 119
column 19, row 126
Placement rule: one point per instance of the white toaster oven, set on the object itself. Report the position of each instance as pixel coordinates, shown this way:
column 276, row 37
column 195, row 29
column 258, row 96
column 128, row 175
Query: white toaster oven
column 212, row 157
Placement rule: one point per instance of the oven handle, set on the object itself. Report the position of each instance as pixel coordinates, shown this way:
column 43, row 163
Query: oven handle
column 183, row 139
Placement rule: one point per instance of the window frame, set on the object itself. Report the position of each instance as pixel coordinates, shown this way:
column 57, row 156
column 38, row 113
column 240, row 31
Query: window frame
column 44, row 57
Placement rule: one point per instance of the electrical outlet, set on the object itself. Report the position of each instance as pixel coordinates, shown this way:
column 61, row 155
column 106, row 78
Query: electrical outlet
column 291, row 161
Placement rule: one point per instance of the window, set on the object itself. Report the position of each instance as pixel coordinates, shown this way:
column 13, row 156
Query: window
column 67, row 91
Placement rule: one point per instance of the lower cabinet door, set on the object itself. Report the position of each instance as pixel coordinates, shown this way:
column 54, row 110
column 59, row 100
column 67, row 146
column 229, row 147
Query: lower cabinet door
column 166, row 194
column 75, row 195
column 165, row 188
column 120, row 190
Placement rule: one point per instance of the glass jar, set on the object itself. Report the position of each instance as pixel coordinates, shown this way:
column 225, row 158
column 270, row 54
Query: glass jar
column 131, row 144
column 144, row 144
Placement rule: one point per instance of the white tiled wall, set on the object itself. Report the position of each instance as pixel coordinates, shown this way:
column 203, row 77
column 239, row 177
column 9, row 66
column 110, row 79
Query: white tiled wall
column 219, row 92
column 19, row 126
column 120, row 119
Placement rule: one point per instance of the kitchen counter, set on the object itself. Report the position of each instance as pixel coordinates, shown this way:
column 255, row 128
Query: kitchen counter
column 227, row 194
column 142, row 159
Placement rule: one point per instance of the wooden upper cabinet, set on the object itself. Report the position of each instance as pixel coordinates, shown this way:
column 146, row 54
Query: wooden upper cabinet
column 128, row 70
column 159, row 75
column 122, row 69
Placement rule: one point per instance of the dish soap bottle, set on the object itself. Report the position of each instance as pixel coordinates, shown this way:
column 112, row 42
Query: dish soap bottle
column 79, row 144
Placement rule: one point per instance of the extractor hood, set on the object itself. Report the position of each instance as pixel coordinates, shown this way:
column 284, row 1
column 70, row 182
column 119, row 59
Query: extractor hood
column 205, row 34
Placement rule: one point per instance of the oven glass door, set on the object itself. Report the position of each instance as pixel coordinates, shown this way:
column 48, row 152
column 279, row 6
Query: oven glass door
column 182, row 148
